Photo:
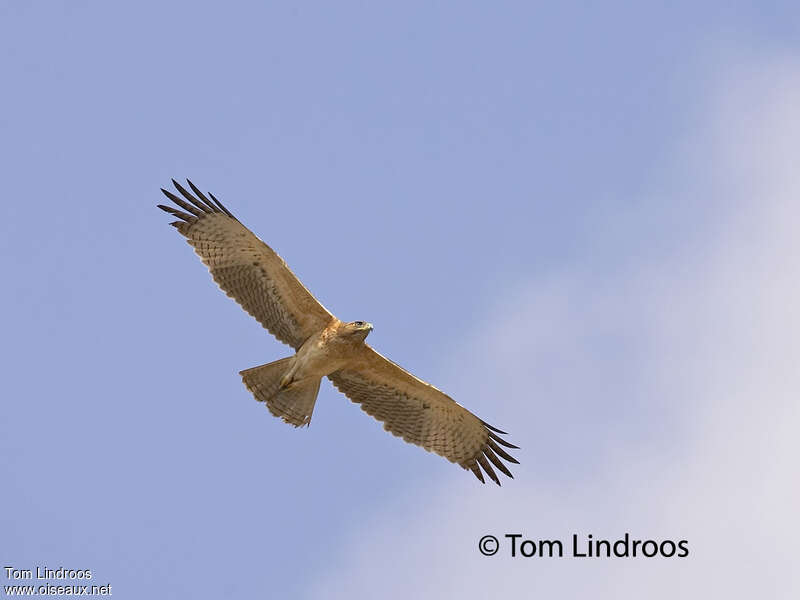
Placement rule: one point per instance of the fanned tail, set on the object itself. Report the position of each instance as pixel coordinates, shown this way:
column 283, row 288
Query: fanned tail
column 293, row 404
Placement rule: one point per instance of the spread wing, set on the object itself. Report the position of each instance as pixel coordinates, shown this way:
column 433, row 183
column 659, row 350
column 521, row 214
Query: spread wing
column 422, row 414
column 246, row 268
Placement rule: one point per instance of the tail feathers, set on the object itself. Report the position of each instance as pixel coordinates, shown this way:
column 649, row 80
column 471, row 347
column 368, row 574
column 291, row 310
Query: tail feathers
column 293, row 404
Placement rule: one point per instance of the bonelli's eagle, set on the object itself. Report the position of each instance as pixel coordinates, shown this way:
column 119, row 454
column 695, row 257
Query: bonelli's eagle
column 258, row 279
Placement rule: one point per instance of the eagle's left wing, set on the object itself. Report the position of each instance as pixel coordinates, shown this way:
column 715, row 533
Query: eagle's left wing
column 422, row 414
column 246, row 268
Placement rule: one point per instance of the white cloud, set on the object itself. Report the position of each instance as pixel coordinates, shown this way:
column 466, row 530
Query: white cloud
column 664, row 404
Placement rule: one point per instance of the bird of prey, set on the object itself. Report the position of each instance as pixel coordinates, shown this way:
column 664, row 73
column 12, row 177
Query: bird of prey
column 258, row 279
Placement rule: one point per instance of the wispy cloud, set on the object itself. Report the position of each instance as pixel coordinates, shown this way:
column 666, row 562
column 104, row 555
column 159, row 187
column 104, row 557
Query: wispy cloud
column 660, row 400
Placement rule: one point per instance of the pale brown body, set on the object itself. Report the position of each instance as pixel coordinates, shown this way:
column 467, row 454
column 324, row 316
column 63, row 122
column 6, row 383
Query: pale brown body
column 331, row 349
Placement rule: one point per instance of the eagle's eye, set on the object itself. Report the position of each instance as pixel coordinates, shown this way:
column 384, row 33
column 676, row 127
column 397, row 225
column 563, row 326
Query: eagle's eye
column 358, row 323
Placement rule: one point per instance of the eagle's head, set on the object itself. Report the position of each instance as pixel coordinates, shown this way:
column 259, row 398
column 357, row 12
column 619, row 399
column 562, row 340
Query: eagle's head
column 357, row 329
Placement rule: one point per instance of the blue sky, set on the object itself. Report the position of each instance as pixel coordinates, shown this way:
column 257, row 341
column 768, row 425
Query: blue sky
column 577, row 221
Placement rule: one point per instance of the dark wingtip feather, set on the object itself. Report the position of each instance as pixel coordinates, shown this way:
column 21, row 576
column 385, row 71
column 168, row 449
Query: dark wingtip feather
column 488, row 468
column 222, row 208
column 202, row 197
column 204, row 205
column 197, row 212
column 174, row 198
column 200, row 205
column 501, row 453
column 500, row 431
column 176, row 213
column 473, row 466
column 500, row 440
column 496, row 462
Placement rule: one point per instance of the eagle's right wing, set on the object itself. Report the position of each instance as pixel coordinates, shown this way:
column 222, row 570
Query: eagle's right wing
column 247, row 269
column 422, row 414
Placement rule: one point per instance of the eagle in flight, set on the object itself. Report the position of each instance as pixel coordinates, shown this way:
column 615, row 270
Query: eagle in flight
column 258, row 279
